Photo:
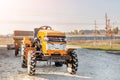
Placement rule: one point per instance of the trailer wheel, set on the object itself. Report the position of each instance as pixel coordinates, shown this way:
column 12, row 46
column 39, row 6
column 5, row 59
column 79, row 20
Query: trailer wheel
column 72, row 63
column 16, row 52
column 31, row 63
column 58, row 64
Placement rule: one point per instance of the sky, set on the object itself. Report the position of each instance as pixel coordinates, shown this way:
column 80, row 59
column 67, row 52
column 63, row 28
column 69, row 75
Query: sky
column 62, row 15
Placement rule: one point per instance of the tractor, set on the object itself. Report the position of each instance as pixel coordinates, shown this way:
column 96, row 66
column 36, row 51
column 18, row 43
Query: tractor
column 47, row 45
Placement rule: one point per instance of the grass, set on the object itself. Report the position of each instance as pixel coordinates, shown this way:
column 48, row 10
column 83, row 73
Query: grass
column 99, row 45
column 115, row 47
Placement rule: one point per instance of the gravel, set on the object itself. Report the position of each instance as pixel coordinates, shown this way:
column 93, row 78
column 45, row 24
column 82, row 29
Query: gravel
column 93, row 65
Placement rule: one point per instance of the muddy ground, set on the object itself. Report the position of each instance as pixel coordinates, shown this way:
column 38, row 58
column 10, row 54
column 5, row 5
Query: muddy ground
column 93, row 65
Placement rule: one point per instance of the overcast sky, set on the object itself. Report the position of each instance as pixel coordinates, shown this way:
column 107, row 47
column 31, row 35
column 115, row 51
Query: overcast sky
column 63, row 15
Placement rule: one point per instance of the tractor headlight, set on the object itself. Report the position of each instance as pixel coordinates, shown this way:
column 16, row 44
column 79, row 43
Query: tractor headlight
column 46, row 38
column 65, row 39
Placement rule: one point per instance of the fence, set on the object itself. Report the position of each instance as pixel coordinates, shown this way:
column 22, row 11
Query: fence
column 92, row 37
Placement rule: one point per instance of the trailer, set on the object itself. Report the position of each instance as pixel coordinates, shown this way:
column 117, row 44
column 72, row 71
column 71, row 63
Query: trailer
column 18, row 37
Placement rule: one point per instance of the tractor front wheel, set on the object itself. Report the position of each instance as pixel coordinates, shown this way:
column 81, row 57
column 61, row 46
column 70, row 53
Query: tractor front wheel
column 72, row 63
column 31, row 63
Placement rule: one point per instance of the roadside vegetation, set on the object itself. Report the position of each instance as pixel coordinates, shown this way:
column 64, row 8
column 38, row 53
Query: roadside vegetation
column 106, row 45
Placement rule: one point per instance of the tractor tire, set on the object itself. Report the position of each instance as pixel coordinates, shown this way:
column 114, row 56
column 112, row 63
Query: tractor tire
column 23, row 58
column 58, row 64
column 31, row 63
column 72, row 64
column 24, row 62
column 16, row 52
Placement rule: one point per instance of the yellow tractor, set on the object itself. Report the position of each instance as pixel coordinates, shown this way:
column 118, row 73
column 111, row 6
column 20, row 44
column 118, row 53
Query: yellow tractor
column 47, row 45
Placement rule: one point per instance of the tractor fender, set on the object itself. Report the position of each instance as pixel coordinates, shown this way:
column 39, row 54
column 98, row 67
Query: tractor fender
column 70, row 50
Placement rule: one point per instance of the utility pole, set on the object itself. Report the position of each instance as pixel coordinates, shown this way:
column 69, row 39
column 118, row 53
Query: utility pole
column 106, row 19
column 95, row 34
column 108, row 30
column 95, row 28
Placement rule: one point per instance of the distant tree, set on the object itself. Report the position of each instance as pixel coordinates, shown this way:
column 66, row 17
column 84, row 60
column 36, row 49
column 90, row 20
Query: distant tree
column 109, row 32
column 81, row 32
column 72, row 32
column 115, row 30
column 75, row 31
column 97, row 32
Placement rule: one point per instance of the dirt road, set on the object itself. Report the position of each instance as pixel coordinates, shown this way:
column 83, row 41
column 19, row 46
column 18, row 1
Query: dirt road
column 93, row 65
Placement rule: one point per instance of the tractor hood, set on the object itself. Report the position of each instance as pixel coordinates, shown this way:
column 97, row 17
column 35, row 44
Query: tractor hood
column 52, row 33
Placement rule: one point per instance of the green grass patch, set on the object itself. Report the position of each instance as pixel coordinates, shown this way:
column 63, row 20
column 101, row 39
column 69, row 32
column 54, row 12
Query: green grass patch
column 114, row 47
column 99, row 45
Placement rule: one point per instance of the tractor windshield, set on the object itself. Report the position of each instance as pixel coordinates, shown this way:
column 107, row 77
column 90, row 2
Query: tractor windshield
column 55, row 39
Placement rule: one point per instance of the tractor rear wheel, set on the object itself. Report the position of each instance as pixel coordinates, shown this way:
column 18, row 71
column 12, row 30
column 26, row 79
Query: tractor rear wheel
column 72, row 63
column 23, row 58
column 31, row 63
column 24, row 62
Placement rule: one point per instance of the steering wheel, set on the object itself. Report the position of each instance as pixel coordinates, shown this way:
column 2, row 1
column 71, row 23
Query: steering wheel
column 45, row 28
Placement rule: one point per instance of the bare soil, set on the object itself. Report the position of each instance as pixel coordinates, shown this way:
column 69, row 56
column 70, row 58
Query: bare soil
column 93, row 65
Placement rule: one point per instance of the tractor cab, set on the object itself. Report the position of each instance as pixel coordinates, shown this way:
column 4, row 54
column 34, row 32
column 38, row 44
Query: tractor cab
column 52, row 42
